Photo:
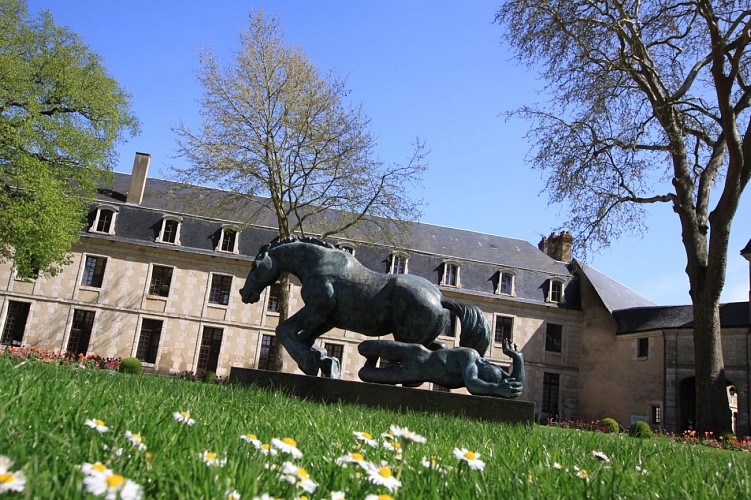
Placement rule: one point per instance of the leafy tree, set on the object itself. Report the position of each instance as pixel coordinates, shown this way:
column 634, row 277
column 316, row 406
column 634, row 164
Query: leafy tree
column 650, row 104
column 60, row 115
column 274, row 126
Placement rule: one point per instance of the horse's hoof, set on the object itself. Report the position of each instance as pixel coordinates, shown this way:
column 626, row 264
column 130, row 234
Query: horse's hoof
column 330, row 367
column 310, row 365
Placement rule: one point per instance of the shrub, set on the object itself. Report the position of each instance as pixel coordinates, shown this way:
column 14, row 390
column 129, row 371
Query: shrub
column 640, row 430
column 209, row 377
column 609, row 425
column 131, row 365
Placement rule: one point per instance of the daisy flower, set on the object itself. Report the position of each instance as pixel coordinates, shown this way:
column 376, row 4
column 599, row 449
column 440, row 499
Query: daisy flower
column 581, row 473
column 112, row 487
column 433, row 464
column 558, row 466
column 407, row 435
column 472, row 458
column 338, row 495
column 287, row 445
column 393, row 446
column 97, row 424
column 232, row 495
column 136, row 440
column 379, row 497
column 350, row 458
column 9, row 480
column 95, row 468
column 298, row 476
column 601, row 456
column 366, row 438
column 212, row 459
column 639, row 468
column 265, row 496
column 382, row 476
column 266, row 449
column 183, row 417
column 252, row 439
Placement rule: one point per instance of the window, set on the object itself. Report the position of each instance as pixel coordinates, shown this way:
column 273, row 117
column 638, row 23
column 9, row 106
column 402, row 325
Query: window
column 642, row 347
column 228, row 240
column 273, row 305
column 161, row 279
column 148, row 342
column 335, row 351
column 555, row 292
column 80, row 331
column 15, row 323
column 211, row 343
column 506, row 283
column 220, row 288
column 450, row 274
column 93, row 271
column 550, row 385
column 347, row 248
column 170, row 231
column 656, row 415
column 503, row 329
column 268, row 348
column 450, row 327
column 553, row 337
column 398, row 264
column 104, row 220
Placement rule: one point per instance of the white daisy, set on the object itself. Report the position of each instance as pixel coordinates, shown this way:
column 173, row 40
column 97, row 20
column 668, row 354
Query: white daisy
column 232, row 495
column 95, row 468
column 287, row 445
column 581, row 473
column 382, row 476
column 470, row 457
column 212, row 459
column 601, row 456
column 433, row 464
column 183, row 417
column 338, row 495
column 97, row 424
column 12, row 481
column 366, row 438
column 112, row 487
column 5, row 463
column 350, row 458
column 266, row 449
column 379, row 497
column 407, row 435
column 136, row 440
column 298, row 476
column 252, row 439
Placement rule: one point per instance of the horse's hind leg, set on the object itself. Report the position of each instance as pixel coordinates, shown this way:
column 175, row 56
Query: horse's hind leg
column 307, row 358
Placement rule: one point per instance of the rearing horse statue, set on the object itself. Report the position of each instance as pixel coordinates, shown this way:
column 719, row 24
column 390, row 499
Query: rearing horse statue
column 339, row 292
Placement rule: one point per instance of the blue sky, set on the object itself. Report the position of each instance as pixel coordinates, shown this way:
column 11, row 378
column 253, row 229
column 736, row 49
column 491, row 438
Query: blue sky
column 433, row 69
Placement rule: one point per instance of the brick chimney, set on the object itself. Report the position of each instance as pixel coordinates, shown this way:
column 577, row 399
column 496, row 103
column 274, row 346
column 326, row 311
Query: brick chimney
column 557, row 246
column 138, row 178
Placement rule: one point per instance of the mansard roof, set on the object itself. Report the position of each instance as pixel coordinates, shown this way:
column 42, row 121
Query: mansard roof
column 641, row 319
column 428, row 246
column 613, row 294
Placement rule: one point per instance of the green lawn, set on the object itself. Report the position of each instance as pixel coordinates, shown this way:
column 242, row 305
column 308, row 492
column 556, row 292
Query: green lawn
column 44, row 409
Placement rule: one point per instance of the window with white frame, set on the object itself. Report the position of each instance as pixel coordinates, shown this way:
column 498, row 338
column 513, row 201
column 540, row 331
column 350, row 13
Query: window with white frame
column 398, row 263
column 93, row 271
column 161, row 280
column 553, row 337
column 274, row 305
column 228, row 239
column 450, row 274
column 148, row 340
column 221, row 286
column 170, row 230
column 642, row 347
column 555, row 291
column 506, row 283
column 504, row 329
column 104, row 220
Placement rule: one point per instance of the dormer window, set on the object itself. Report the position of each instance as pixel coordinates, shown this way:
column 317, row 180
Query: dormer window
column 450, row 274
column 347, row 247
column 506, row 283
column 104, row 220
column 555, row 291
column 228, row 239
column 398, row 263
column 170, row 231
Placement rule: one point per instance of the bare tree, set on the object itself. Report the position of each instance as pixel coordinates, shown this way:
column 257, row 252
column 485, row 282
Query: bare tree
column 649, row 104
column 274, row 126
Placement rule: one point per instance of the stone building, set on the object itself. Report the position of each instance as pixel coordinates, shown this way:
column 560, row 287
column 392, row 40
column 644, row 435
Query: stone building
column 157, row 274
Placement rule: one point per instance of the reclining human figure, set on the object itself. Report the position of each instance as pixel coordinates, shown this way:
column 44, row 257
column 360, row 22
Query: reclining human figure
column 413, row 364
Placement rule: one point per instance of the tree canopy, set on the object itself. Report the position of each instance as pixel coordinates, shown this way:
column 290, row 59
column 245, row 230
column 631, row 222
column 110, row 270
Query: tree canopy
column 274, row 126
column 649, row 104
column 60, row 116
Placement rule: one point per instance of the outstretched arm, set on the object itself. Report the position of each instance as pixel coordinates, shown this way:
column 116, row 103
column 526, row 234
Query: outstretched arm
column 504, row 387
column 517, row 372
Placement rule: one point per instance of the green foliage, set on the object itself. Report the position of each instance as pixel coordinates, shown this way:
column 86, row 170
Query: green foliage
column 60, row 116
column 209, row 377
column 640, row 430
column 131, row 365
column 611, row 425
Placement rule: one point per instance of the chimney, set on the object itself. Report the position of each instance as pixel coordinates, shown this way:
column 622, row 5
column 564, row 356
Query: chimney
column 138, row 178
column 557, row 246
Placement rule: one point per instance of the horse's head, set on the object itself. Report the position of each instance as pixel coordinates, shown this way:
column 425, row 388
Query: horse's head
column 263, row 272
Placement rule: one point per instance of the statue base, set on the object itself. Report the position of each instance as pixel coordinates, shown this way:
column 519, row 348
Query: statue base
column 390, row 397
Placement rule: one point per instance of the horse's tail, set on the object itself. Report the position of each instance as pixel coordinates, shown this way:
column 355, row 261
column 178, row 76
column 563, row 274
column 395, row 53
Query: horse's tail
column 475, row 329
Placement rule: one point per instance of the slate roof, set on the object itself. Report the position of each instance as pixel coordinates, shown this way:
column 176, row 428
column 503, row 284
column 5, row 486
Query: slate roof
column 480, row 256
column 613, row 294
column 640, row 319
column 746, row 252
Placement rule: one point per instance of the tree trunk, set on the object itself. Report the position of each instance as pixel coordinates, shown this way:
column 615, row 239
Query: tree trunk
column 277, row 356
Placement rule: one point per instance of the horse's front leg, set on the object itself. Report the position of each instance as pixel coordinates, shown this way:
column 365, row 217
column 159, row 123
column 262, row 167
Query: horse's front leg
column 288, row 332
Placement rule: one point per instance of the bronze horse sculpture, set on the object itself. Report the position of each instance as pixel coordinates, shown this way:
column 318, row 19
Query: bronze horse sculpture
column 339, row 292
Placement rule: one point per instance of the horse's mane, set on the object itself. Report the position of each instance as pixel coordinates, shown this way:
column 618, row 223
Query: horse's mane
column 293, row 239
